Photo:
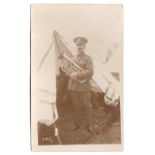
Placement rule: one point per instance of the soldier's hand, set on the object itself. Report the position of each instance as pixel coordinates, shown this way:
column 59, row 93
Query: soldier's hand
column 74, row 75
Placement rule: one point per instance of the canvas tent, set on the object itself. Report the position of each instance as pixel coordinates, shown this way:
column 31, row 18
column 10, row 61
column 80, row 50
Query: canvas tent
column 44, row 92
column 45, row 79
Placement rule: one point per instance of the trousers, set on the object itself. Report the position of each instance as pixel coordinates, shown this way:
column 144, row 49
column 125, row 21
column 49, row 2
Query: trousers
column 81, row 102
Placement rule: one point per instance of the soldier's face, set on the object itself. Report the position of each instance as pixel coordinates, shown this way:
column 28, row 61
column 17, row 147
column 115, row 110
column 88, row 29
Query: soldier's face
column 81, row 48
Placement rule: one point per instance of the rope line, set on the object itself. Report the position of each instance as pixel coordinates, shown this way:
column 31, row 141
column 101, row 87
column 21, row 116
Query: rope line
column 44, row 57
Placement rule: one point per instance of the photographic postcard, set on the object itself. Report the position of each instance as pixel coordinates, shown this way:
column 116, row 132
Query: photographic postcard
column 76, row 77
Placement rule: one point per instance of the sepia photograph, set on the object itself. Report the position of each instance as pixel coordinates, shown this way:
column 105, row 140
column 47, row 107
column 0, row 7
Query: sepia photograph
column 76, row 77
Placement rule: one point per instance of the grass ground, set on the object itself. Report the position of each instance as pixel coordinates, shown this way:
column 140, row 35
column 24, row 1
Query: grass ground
column 104, row 132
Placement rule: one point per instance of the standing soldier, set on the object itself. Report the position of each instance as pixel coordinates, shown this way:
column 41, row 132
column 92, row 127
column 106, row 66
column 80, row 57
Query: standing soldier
column 80, row 92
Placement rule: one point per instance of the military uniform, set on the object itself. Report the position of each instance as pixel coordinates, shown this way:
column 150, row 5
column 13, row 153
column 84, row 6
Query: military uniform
column 80, row 93
column 85, row 62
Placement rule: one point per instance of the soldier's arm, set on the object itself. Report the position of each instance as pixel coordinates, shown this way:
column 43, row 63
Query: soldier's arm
column 88, row 72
